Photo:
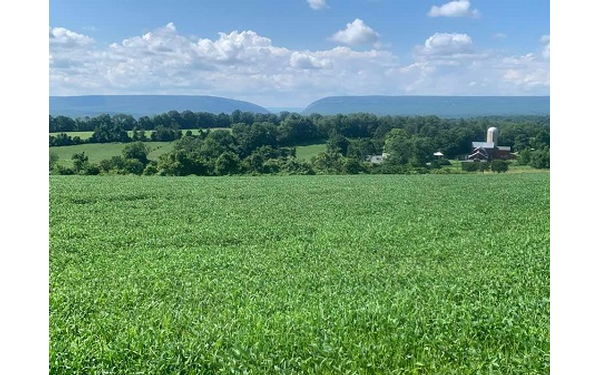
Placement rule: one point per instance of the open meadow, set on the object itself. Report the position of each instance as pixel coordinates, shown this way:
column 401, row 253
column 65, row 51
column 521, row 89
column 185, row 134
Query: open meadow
column 97, row 152
column 367, row 274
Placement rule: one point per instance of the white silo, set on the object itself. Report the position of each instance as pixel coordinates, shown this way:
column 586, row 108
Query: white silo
column 492, row 135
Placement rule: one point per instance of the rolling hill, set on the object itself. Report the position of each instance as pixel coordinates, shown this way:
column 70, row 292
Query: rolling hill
column 145, row 105
column 442, row 106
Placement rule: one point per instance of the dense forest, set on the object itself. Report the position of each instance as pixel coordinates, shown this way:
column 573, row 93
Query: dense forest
column 256, row 143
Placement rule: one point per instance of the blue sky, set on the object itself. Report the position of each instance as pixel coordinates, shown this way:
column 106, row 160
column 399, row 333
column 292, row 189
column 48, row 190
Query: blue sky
column 290, row 53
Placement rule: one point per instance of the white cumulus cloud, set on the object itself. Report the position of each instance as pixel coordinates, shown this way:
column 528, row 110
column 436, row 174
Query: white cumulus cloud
column 523, row 74
column 527, row 80
column 317, row 4
column 447, row 44
column 451, row 63
column 308, row 61
column 545, row 40
column 356, row 33
column 458, row 8
column 61, row 37
column 238, row 46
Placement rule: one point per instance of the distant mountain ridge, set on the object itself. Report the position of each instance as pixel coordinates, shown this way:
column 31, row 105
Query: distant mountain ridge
column 146, row 105
column 380, row 105
column 442, row 106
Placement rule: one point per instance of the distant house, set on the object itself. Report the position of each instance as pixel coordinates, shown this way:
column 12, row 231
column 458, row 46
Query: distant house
column 489, row 150
column 376, row 159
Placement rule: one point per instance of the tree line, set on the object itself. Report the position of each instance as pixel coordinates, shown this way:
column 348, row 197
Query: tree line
column 265, row 143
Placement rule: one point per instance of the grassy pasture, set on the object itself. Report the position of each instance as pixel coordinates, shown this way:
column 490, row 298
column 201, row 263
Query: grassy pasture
column 87, row 135
column 425, row 274
column 308, row 151
column 82, row 135
column 100, row 151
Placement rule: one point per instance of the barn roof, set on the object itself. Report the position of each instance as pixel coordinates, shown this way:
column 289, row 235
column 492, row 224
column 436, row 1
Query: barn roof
column 478, row 153
column 483, row 144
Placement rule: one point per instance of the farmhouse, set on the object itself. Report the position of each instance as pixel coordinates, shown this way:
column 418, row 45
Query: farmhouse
column 489, row 150
column 376, row 159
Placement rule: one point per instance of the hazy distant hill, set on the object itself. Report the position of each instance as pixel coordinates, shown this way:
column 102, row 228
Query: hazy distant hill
column 442, row 106
column 145, row 105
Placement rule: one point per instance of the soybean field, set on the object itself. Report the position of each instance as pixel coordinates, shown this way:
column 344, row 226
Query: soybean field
column 367, row 274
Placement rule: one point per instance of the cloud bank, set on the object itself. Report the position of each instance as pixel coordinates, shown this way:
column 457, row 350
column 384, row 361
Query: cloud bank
column 248, row 66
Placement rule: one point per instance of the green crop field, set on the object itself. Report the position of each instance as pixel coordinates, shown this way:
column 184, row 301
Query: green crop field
column 387, row 274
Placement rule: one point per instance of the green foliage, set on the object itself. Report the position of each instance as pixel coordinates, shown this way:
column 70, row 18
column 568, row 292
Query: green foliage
column 293, row 166
column 361, row 148
column 296, row 129
column 216, row 143
column 180, row 163
column 251, row 137
column 397, row 145
column 109, row 131
column 53, row 159
column 115, row 164
column 227, row 163
column 353, row 166
column 81, row 165
column 267, row 159
column 499, row 166
column 524, row 157
column 328, row 162
column 338, row 143
column 150, row 169
column 389, row 168
column 62, row 170
column 446, row 171
column 133, row 160
column 164, row 134
column 421, row 151
column 138, row 151
column 62, row 124
column 63, row 139
column 138, row 135
column 79, row 161
column 484, row 166
column 540, row 159
column 90, row 169
column 300, row 275
column 443, row 161
column 96, row 152
column 409, row 141
column 470, row 166
column 133, row 166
